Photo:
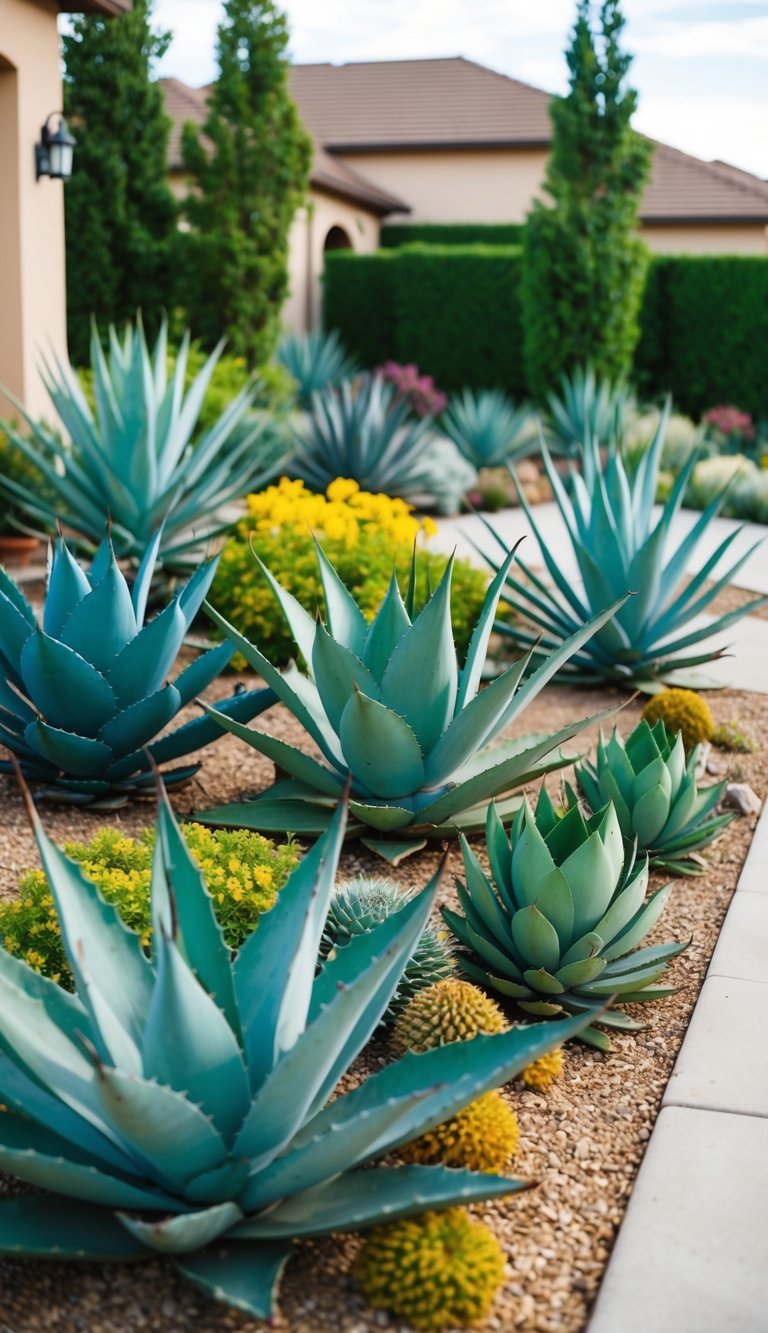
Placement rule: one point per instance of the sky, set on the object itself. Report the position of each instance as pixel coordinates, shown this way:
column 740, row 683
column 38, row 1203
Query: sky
column 700, row 68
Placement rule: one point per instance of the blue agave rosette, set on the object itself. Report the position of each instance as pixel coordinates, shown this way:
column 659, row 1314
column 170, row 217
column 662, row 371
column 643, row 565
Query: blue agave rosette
column 181, row 1105
column 83, row 694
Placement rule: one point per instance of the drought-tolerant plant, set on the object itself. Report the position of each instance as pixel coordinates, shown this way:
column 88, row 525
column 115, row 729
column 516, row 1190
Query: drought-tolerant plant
column 83, row 694
column 178, row 1105
column 243, row 872
column 731, row 429
column 484, row 1137
column 364, row 430
column 450, row 1010
column 732, row 736
column 621, row 546
column 394, row 718
column 557, row 925
column 364, row 536
column 541, row 1073
column 135, row 461
column 435, row 1271
column 357, row 905
column 655, row 795
column 420, row 391
column 315, row 361
column 684, row 711
column 487, row 428
column 586, row 409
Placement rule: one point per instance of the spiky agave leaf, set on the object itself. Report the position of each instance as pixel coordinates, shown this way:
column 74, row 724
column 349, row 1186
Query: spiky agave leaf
column 392, row 715
column 316, row 360
column 557, row 924
column 487, row 428
column 657, row 799
column 621, row 547
column 180, row 1104
column 84, row 693
column 135, row 460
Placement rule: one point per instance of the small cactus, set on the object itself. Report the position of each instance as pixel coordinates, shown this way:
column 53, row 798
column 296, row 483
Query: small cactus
column 541, row 1073
column 451, row 1010
column 482, row 1137
column 684, row 711
column 435, row 1271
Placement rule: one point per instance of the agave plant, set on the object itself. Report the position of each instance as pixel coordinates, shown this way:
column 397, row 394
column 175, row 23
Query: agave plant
column 135, row 461
column 557, row 926
column 487, row 428
column 621, row 546
column 586, row 410
column 178, row 1105
column 83, row 693
column 315, row 360
column 393, row 717
column 654, row 792
column 364, row 430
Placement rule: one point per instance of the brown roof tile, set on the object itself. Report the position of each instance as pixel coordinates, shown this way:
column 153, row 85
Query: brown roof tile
column 686, row 188
column 97, row 7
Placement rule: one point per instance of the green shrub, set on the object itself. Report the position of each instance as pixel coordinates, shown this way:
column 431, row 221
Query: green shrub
column 364, row 537
column 359, row 302
column 704, row 331
column 243, row 873
column 394, row 234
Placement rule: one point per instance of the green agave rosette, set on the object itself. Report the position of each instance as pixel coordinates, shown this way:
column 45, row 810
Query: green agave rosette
column 83, row 694
column 395, row 718
column 655, row 795
column 181, row 1104
column 556, row 928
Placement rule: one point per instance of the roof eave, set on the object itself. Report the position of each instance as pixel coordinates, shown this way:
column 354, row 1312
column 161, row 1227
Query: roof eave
column 431, row 145
column 110, row 7
column 689, row 220
column 372, row 205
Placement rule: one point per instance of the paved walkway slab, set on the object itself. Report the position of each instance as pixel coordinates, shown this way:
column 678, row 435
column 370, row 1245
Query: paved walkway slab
column 722, row 1064
column 742, row 949
column 692, row 1252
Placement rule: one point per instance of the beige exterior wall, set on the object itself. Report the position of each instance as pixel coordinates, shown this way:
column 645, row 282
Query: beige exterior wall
column 706, row 238
column 309, row 237
column 32, row 264
column 461, row 185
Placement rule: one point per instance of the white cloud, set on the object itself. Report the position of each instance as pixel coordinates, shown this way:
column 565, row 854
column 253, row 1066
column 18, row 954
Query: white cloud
column 688, row 41
column 708, row 127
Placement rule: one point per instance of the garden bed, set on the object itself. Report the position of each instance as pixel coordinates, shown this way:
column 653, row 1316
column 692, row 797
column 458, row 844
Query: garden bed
column 583, row 1140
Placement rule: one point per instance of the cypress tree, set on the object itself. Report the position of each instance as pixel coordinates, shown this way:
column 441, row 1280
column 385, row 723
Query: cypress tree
column 249, row 166
column 120, row 213
column 584, row 269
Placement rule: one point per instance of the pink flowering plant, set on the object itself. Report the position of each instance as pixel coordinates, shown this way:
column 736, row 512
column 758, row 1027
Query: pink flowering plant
column 731, row 428
column 424, row 398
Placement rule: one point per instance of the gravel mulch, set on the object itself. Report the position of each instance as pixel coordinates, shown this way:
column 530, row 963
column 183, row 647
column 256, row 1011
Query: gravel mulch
column 582, row 1142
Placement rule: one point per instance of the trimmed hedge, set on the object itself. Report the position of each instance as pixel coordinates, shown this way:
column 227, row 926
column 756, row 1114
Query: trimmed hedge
column 394, row 234
column 705, row 332
column 456, row 312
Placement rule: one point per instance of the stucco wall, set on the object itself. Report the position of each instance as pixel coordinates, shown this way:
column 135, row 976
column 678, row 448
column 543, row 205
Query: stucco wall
column 706, row 238
column 475, row 185
column 309, row 234
column 32, row 265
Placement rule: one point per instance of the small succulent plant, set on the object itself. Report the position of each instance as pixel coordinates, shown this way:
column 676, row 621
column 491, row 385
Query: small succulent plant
column 684, row 711
column 83, row 694
column 609, row 511
column 315, row 360
column 483, row 1137
column 586, row 409
column 134, row 459
column 360, row 904
column 450, row 1010
column 179, row 1105
column 542, row 1073
column 394, row 717
column 655, row 795
column 556, row 929
column 487, row 428
column 440, row 1270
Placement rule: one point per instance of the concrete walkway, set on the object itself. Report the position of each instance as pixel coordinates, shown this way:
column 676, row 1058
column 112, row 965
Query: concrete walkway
column 692, row 1251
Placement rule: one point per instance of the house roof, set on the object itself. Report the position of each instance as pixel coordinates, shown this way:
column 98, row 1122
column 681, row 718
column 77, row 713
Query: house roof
column 97, row 7
column 406, row 105
column 329, row 174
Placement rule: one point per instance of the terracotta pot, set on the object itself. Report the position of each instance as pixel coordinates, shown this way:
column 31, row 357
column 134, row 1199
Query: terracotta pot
column 17, row 551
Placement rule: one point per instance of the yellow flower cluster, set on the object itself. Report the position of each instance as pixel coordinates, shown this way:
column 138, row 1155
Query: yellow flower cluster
column 435, row 1271
column 482, row 1137
column 338, row 516
column 243, row 872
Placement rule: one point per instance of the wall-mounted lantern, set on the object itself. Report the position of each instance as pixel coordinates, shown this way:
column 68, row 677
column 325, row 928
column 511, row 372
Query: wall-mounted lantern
column 53, row 154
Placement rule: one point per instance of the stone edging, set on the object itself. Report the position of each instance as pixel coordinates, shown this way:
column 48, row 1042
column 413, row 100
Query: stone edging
column 692, row 1251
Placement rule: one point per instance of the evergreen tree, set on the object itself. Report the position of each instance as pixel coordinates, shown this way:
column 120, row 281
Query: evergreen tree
column 120, row 213
column 583, row 267
column 250, row 169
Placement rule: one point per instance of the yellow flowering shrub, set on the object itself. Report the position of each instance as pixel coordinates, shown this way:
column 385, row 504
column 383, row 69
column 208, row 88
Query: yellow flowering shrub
column 364, row 536
column 243, row 873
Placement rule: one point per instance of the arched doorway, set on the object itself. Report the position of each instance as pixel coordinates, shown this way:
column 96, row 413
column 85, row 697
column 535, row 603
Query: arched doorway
column 337, row 239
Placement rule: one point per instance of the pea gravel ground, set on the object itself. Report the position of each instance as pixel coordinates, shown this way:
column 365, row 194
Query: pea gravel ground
column 582, row 1142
